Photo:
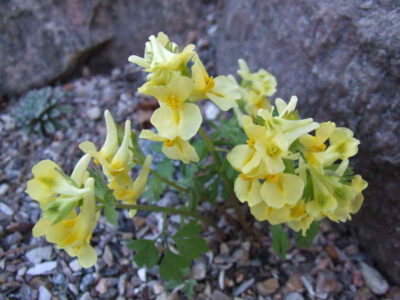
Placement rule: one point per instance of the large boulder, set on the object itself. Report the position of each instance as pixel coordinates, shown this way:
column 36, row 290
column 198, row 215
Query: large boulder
column 342, row 59
column 44, row 40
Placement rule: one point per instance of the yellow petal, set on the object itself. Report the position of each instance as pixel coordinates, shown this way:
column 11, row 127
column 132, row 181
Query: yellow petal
column 239, row 156
column 163, row 119
column 287, row 190
column 180, row 150
column 87, row 256
column 225, row 93
column 190, row 121
column 41, row 227
column 111, row 142
column 123, row 155
column 248, row 190
column 150, row 135
column 80, row 170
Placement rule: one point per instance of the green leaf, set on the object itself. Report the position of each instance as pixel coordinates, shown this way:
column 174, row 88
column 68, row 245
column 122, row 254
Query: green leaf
column 188, row 288
column 146, row 252
column 109, row 208
column 188, row 243
column 156, row 187
column 308, row 192
column 305, row 241
column 104, row 194
column 289, row 166
column 173, row 267
column 280, row 240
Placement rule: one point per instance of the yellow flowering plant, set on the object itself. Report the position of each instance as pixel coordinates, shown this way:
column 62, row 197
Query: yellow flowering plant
column 284, row 169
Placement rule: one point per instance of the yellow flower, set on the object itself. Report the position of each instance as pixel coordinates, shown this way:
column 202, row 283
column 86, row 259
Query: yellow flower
column 255, row 88
column 114, row 158
column 248, row 190
column 177, row 148
column 262, row 212
column 314, row 145
column 175, row 117
column 125, row 188
column 282, row 189
column 74, row 232
column 222, row 90
column 57, row 193
column 268, row 143
column 342, row 145
column 162, row 54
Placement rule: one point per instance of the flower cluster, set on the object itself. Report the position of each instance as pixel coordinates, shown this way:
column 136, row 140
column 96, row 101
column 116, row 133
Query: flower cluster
column 291, row 170
column 289, row 176
column 177, row 79
column 61, row 196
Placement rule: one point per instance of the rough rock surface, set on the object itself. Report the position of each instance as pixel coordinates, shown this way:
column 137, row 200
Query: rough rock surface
column 42, row 41
column 342, row 58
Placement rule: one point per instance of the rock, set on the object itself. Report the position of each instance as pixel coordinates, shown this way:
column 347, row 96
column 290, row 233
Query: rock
column 293, row 296
column 158, row 288
column 39, row 254
column 243, row 287
column 199, row 270
column 102, row 286
column 108, row 256
column 218, row 295
column 43, row 268
column 44, row 293
column 85, row 296
column 13, row 239
column 74, row 265
column 211, row 111
column 343, row 62
column 268, row 286
column 374, row 280
column 142, row 274
column 46, row 40
column 94, row 113
column 326, row 283
column 5, row 209
column 86, row 282
column 3, row 188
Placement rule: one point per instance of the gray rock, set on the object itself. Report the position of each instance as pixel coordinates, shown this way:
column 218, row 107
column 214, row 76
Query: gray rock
column 244, row 286
column 342, row 59
column 199, row 270
column 13, row 239
column 5, row 209
column 294, row 296
column 39, row 254
column 374, row 280
column 87, row 282
column 94, row 113
column 74, row 265
column 43, row 268
column 3, row 188
column 218, row 295
column 44, row 293
column 45, row 40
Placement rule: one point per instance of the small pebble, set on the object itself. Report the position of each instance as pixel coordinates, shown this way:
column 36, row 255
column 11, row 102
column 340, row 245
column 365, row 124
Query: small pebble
column 218, row 295
column 268, row 286
column 3, row 188
column 94, row 113
column 43, row 268
column 374, row 280
column 199, row 270
column 39, row 254
column 44, row 293
column 5, row 209
column 74, row 266
column 293, row 296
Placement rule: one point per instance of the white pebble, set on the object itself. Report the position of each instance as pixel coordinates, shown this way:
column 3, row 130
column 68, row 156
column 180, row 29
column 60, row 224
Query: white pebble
column 43, row 268
column 5, row 209
column 39, row 254
column 44, row 293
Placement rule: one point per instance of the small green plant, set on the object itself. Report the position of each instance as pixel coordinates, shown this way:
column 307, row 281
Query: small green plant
column 40, row 110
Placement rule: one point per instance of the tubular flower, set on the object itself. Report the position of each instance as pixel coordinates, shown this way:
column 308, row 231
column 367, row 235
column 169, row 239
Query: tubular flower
column 255, row 88
column 222, row 90
column 113, row 158
column 162, row 54
column 175, row 117
column 177, row 148
column 116, row 161
column 74, row 232
column 268, row 144
column 57, row 193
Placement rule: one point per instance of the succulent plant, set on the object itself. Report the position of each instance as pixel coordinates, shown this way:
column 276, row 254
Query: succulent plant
column 40, row 111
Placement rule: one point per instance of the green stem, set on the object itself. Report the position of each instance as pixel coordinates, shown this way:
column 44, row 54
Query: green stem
column 169, row 182
column 227, row 182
